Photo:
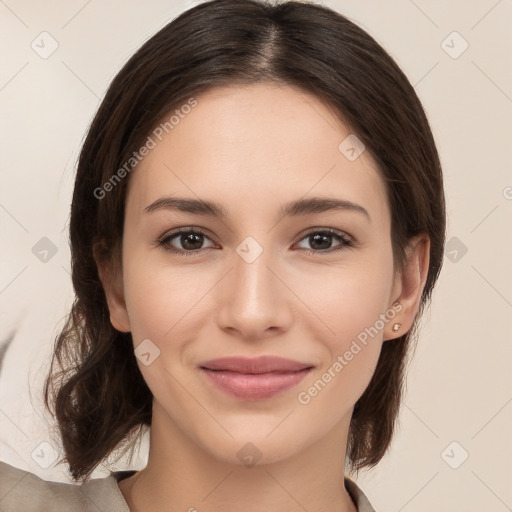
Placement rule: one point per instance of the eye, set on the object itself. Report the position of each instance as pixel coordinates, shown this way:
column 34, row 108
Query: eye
column 190, row 240
column 321, row 240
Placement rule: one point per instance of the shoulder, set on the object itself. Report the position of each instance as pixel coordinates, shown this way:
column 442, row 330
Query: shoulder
column 23, row 491
column 359, row 498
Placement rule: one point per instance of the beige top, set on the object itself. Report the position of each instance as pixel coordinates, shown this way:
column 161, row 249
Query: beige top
column 22, row 491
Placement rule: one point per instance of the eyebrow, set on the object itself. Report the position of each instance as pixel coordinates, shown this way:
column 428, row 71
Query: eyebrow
column 291, row 209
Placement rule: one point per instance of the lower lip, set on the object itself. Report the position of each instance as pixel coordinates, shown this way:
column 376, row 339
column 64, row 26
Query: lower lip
column 254, row 386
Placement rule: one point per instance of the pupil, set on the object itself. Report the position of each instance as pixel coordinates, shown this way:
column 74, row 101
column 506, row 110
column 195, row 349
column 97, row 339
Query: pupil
column 188, row 240
column 318, row 239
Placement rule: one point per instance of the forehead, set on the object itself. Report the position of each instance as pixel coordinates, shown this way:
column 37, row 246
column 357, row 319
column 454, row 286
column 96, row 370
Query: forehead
column 255, row 145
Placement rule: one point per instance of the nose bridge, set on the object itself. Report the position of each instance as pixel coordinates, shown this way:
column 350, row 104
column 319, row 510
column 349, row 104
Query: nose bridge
column 253, row 281
column 254, row 300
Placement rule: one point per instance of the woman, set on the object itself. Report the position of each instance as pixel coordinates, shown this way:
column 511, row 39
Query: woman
column 257, row 224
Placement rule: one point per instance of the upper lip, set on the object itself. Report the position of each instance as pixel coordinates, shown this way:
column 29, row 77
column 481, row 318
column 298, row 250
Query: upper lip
column 263, row 364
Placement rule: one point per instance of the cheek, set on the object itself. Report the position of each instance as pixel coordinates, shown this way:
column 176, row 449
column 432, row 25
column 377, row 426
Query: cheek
column 352, row 344
column 161, row 299
column 337, row 302
column 352, row 305
column 163, row 305
column 346, row 300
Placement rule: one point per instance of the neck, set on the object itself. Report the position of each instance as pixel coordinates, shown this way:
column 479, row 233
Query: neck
column 183, row 476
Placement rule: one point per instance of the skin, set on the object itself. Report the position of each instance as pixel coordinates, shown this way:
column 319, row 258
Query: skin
column 253, row 148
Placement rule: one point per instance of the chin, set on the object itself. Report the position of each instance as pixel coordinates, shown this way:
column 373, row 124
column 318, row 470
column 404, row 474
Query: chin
column 253, row 448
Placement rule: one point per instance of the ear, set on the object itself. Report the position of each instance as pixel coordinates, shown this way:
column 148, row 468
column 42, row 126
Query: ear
column 112, row 281
column 408, row 287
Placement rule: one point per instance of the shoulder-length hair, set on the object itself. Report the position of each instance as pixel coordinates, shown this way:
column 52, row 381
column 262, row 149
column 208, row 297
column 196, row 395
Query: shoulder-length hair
column 97, row 392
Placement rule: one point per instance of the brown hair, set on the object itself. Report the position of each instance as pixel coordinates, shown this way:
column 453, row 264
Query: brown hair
column 99, row 396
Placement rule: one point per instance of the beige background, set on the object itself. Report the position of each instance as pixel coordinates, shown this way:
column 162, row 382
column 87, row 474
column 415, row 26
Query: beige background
column 459, row 383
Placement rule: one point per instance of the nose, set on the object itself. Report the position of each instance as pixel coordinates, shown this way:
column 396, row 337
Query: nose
column 255, row 299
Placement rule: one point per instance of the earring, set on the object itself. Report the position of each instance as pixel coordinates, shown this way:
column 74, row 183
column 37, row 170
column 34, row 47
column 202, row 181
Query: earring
column 396, row 327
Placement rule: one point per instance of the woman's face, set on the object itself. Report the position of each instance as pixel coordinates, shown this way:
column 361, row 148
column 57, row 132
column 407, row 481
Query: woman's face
column 255, row 282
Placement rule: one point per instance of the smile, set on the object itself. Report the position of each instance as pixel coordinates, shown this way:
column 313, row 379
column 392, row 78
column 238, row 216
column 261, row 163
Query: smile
column 254, row 386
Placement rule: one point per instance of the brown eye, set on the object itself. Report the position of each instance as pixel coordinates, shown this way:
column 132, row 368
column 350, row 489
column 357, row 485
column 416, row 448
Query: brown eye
column 189, row 241
column 320, row 241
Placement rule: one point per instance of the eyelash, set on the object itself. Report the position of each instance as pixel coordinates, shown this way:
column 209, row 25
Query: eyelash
column 345, row 241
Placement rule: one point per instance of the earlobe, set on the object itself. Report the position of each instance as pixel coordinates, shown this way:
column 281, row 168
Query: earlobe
column 411, row 283
column 112, row 283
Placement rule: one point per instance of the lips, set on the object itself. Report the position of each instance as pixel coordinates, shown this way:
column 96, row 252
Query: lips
column 263, row 364
column 254, row 379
